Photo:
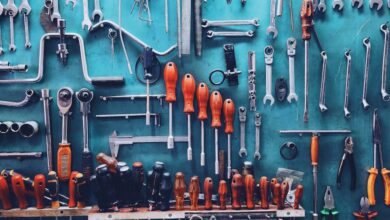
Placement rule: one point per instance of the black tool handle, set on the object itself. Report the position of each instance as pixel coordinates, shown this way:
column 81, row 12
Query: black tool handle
column 87, row 164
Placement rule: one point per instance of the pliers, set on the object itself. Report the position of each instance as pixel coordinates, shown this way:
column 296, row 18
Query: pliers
column 329, row 211
column 365, row 213
column 348, row 155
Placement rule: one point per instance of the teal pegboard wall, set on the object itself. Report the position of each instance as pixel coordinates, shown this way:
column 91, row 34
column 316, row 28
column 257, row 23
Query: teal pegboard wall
column 338, row 31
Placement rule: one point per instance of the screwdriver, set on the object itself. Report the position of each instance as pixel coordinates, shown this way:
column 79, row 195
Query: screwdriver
column 39, row 190
column 208, row 192
column 284, row 192
column 53, row 186
column 188, row 89
column 81, row 190
column 194, row 190
column 249, row 183
column 216, row 107
column 274, row 181
column 179, row 189
column 72, row 189
column 19, row 190
column 228, row 111
column 277, row 193
column 222, row 191
column 202, row 94
column 298, row 196
column 170, row 79
column 236, row 191
column 5, row 194
column 307, row 21
column 264, row 192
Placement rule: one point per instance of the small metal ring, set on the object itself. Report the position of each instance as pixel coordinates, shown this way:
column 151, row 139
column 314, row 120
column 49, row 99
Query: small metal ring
column 112, row 34
column 218, row 82
column 153, row 80
column 288, row 151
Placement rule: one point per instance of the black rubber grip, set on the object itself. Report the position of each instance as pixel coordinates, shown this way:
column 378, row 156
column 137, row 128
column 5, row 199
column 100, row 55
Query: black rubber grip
column 87, row 164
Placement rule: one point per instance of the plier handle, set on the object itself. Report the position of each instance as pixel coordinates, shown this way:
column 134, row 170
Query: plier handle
column 365, row 213
column 348, row 155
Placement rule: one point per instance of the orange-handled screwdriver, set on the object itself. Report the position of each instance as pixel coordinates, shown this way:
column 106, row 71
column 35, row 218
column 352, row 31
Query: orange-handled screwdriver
column 249, row 183
column 188, row 88
column 171, row 75
column 19, row 189
column 236, row 191
column 314, row 163
column 39, row 190
column 298, row 196
column 208, row 193
column 216, row 108
column 194, row 190
column 202, row 94
column 264, row 192
column 222, row 191
column 5, row 194
column 228, row 111
column 72, row 190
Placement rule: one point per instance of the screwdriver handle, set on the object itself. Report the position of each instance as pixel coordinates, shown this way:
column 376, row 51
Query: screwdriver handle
column 386, row 182
column 5, row 194
column 298, row 196
column 228, row 111
column 216, row 108
column 188, row 88
column 64, row 161
column 314, row 150
column 236, row 191
column 111, row 162
column 39, row 190
column 171, row 75
column 307, row 19
column 373, row 173
column 179, row 189
column 53, row 186
column 222, row 191
column 87, row 164
column 19, row 190
column 72, row 190
column 202, row 94
column 194, row 190
column 274, row 181
column 284, row 192
column 264, row 193
column 208, row 192
column 249, row 183
column 81, row 190
column 278, row 196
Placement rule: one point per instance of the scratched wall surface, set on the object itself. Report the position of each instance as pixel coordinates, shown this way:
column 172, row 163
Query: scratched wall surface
column 338, row 31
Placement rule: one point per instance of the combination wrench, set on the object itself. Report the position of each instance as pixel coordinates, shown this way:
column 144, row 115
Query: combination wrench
column 367, row 45
column 25, row 9
column 211, row 34
column 338, row 5
column 291, row 45
column 385, row 30
column 322, row 6
column 377, row 3
column 269, row 58
column 12, row 11
column 242, row 118
column 257, row 154
column 322, row 105
column 357, row 3
column 347, row 54
column 86, row 23
column 55, row 15
column 272, row 25
column 222, row 23
column 97, row 13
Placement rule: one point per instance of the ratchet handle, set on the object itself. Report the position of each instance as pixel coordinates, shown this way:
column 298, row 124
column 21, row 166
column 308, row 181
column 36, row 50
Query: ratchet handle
column 228, row 110
column 64, row 161
column 39, row 190
column 87, row 164
column 216, row 107
column 264, row 193
column 188, row 88
column 171, row 75
column 373, row 173
column 202, row 94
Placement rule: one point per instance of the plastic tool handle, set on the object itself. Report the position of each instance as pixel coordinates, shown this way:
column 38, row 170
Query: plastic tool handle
column 72, row 190
column 272, row 186
column 314, row 150
column 87, row 164
column 228, row 111
column 64, row 161
column 111, row 162
column 264, row 193
column 39, row 190
column 81, row 190
column 208, row 192
column 53, row 186
column 222, row 191
column 202, row 94
column 236, row 191
column 278, row 196
column 19, row 190
column 5, row 194
column 249, row 183
column 179, row 189
column 373, row 173
column 386, row 182
column 298, row 196
column 307, row 18
column 194, row 190
column 216, row 108
column 284, row 191
column 171, row 75
column 188, row 88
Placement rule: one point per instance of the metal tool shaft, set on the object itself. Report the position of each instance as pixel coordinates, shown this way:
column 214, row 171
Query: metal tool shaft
column 46, row 115
column 306, row 89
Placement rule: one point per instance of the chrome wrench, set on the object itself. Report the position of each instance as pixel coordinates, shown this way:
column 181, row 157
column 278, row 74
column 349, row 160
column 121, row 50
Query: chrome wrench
column 347, row 54
column 12, row 11
column 357, row 3
column 385, row 30
column 272, row 25
column 257, row 154
column 338, row 5
column 322, row 105
column 291, row 45
column 211, row 34
column 367, row 44
column 55, row 15
column 322, row 6
column 269, row 57
column 279, row 10
column 97, row 12
column 86, row 23
column 242, row 118
column 222, row 23
column 378, row 3
column 25, row 9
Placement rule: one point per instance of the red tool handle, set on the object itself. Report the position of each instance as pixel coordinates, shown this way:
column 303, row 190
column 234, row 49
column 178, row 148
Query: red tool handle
column 264, row 193
column 64, row 161
column 307, row 18
column 188, row 89
column 179, row 189
column 236, row 191
column 194, row 190
column 222, row 191
column 19, row 190
column 208, row 192
column 72, row 190
column 39, row 190
column 171, row 75
column 272, row 186
column 249, row 183
column 278, row 196
column 202, row 94
column 298, row 196
column 228, row 111
column 111, row 162
column 284, row 191
column 5, row 194
column 216, row 108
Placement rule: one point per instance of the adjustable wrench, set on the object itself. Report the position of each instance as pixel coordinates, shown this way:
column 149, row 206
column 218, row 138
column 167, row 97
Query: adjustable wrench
column 12, row 11
column 272, row 25
column 97, row 12
column 378, row 3
column 322, row 6
column 242, row 117
column 211, row 34
column 86, row 21
column 257, row 154
column 55, row 15
column 322, row 105
column 338, row 4
column 291, row 45
column 347, row 54
column 269, row 58
column 367, row 44
column 385, row 30
column 357, row 3
column 25, row 9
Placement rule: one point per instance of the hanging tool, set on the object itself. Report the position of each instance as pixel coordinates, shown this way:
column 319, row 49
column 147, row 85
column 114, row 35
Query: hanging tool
column 324, row 58
column 367, row 45
column 242, row 118
column 348, row 155
column 72, row 190
column 298, row 196
column 348, row 57
column 228, row 112
column 5, row 194
column 165, row 191
column 386, row 41
column 143, row 6
column 216, row 107
column 53, row 187
column 277, row 196
column 291, row 48
column 264, row 192
column 179, row 189
column 19, row 189
column 222, row 191
column 11, row 11
column 217, row 77
column 188, row 87
column 208, row 192
column 329, row 211
column 257, row 154
column 170, row 78
column 81, row 190
column 268, row 59
column 62, row 50
column 64, row 153
column 252, row 80
column 39, row 190
column 202, row 95
column 237, row 185
column 194, row 190
column 373, row 171
column 25, row 10
column 85, row 96
column 198, row 26
column 249, row 183
column 365, row 213
column 45, row 98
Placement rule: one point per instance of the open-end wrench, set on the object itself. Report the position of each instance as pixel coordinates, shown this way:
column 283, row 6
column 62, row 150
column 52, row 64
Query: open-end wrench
column 25, row 9
column 272, row 24
column 74, row 2
column 357, row 3
column 385, row 30
column 97, row 13
column 12, row 11
column 55, row 15
column 1, row 9
column 322, row 6
column 279, row 10
column 338, row 4
column 377, row 3
column 388, row 3
column 222, row 23
column 257, row 154
column 211, row 34
column 269, row 58
column 324, row 57
column 86, row 23
column 242, row 118
column 347, row 54
column 291, row 45
column 367, row 44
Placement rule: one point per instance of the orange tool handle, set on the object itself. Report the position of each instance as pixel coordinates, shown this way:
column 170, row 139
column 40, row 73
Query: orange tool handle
column 202, row 94
column 179, row 189
column 81, row 185
column 72, row 190
column 39, row 190
column 5, row 194
column 314, row 150
column 19, row 190
column 278, row 196
column 307, row 18
column 249, row 183
column 111, row 162
column 64, row 161
column 284, row 191
column 171, row 75
column 228, row 111
column 264, row 193
column 272, row 186
column 194, row 190
column 188, row 89
column 373, row 173
column 208, row 192
column 222, row 191
column 386, row 182
column 236, row 191
column 298, row 196
column 53, row 187
column 216, row 108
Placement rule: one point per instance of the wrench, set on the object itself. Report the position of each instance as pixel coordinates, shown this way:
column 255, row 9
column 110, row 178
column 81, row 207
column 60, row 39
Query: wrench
column 367, row 44
column 86, row 21
column 207, row 23
column 322, row 105
column 97, row 11
column 257, row 154
column 388, row 3
column 211, row 34
column 12, row 11
column 242, row 117
column 358, row 3
column 272, row 25
column 279, row 10
column 55, row 16
column 338, row 4
column 378, row 3
column 347, row 54
column 385, row 30
column 74, row 2
column 291, row 45
column 1, row 9
column 269, row 58
column 322, row 6
column 25, row 9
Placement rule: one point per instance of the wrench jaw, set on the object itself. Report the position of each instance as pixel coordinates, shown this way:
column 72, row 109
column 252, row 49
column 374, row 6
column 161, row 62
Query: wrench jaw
column 272, row 30
column 269, row 98
column 338, row 5
column 97, row 15
column 291, row 97
column 385, row 95
column 347, row 113
column 377, row 3
column 366, row 106
column 257, row 155
column 323, row 107
column 243, row 152
column 74, row 2
column 86, row 24
column 357, row 3
column 322, row 7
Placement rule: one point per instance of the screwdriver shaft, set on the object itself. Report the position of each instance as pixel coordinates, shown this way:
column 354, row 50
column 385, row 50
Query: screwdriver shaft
column 216, row 151
column 189, row 149
column 147, row 102
column 170, row 143
column 202, row 153
column 229, row 162
column 306, row 75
